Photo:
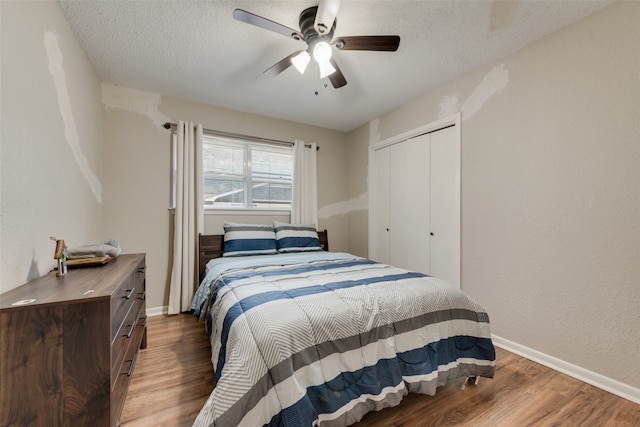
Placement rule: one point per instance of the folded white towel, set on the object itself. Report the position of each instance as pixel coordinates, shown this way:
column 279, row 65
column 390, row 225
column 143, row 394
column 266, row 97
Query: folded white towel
column 110, row 248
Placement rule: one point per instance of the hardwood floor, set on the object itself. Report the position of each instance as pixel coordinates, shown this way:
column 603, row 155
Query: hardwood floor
column 173, row 378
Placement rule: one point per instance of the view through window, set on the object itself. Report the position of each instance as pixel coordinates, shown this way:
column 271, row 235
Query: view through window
column 247, row 175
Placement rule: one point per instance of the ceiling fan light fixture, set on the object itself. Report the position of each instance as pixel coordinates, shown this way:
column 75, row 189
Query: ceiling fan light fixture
column 326, row 69
column 301, row 60
column 322, row 52
column 317, row 25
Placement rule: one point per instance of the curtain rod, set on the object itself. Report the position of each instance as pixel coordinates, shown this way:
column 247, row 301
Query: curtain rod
column 239, row 136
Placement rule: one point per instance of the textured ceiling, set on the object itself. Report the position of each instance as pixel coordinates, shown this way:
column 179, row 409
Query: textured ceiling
column 195, row 50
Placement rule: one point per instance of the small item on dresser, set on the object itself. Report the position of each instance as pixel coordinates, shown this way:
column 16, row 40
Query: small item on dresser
column 60, row 254
column 87, row 262
column 110, row 248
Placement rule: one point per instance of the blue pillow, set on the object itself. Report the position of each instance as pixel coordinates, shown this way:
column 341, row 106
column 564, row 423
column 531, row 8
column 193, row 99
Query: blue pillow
column 248, row 239
column 296, row 237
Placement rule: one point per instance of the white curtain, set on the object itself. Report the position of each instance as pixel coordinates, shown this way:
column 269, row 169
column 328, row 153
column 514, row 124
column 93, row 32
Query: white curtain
column 188, row 217
column 304, row 209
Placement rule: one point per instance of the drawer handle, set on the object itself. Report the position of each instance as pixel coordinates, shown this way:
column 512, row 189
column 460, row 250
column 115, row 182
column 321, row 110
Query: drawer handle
column 133, row 362
column 129, row 293
column 131, row 328
column 143, row 296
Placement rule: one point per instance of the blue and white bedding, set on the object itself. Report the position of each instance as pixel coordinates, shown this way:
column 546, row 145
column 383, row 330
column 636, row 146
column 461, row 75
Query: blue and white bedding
column 322, row 338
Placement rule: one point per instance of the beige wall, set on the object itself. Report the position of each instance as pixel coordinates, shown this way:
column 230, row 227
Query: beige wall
column 550, row 190
column 51, row 170
column 137, row 173
column 550, row 205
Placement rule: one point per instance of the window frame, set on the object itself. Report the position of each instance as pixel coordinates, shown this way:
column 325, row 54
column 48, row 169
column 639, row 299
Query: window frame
column 247, row 144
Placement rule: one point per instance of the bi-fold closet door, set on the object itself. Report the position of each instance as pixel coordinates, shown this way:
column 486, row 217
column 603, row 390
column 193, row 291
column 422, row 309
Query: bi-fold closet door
column 415, row 204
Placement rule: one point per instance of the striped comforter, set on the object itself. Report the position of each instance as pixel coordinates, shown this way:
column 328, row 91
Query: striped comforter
column 323, row 338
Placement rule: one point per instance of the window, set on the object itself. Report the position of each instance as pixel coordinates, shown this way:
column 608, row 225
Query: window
column 245, row 175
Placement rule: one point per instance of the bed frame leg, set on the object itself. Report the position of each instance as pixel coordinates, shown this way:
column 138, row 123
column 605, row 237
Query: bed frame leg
column 476, row 380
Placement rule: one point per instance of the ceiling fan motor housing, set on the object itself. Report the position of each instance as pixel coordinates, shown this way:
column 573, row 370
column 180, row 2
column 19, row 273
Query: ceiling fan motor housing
column 311, row 36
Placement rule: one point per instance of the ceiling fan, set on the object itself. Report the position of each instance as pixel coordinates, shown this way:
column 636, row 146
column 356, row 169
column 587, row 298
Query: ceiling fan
column 317, row 25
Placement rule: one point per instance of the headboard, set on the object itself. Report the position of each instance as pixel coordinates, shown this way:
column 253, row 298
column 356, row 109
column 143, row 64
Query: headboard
column 211, row 246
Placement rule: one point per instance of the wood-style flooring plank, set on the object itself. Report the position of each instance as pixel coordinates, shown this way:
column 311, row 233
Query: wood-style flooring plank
column 173, row 378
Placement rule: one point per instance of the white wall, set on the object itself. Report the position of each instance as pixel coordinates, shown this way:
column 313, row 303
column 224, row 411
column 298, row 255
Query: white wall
column 51, row 170
column 137, row 173
column 550, row 190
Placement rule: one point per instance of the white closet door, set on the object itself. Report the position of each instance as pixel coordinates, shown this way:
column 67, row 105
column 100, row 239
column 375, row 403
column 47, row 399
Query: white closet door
column 445, row 205
column 409, row 202
column 414, row 216
column 381, row 206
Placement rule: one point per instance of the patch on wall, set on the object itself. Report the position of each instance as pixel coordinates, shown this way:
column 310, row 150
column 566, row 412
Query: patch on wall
column 54, row 55
column 493, row 83
column 136, row 101
column 360, row 203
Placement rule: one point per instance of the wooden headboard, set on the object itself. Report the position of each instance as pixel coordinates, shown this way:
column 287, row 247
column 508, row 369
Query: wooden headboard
column 211, row 246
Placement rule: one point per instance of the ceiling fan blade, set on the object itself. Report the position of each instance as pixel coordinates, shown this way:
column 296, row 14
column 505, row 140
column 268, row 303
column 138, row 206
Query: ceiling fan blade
column 326, row 14
column 337, row 78
column 279, row 67
column 379, row 43
column 267, row 24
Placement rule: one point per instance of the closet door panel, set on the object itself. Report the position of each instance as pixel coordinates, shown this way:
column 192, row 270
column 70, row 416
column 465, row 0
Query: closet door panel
column 381, row 205
column 398, row 200
column 445, row 205
column 409, row 217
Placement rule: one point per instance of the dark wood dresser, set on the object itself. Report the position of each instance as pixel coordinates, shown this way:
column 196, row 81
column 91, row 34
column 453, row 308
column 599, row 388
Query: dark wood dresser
column 66, row 357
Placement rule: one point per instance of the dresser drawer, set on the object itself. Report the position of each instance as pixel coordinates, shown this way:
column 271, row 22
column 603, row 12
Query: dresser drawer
column 121, row 302
column 125, row 337
column 131, row 290
column 121, row 375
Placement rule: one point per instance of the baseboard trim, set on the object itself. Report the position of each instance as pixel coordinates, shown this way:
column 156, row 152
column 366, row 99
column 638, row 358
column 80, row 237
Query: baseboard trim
column 597, row 380
column 157, row 311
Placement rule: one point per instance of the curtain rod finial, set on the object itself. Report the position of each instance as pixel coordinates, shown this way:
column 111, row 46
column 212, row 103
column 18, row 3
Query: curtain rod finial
column 167, row 125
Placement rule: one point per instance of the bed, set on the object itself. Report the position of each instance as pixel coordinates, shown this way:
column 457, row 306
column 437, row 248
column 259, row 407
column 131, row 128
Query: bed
column 312, row 337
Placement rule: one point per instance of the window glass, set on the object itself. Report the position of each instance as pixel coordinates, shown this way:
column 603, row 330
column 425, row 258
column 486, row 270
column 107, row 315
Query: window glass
column 245, row 175
column 271, row 177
